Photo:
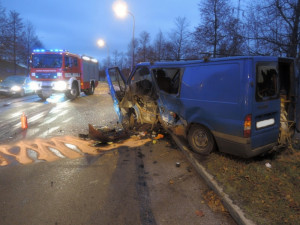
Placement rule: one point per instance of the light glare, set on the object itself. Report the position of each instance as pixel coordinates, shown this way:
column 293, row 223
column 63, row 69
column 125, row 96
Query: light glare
column 101, row 43
column 60, row 86
column 16, row 88
column 120, row 8
column 33, row 85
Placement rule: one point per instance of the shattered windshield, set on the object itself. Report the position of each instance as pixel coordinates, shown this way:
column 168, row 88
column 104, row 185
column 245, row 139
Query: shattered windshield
column 266, row 81
column 141, row 81
column 47, row 61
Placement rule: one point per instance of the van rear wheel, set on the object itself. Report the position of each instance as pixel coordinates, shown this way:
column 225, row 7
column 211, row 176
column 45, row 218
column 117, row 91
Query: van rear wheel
column 201, row 140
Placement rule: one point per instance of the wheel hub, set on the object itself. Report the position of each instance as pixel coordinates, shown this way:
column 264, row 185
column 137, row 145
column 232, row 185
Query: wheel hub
column 73, row 91
column 201, row 139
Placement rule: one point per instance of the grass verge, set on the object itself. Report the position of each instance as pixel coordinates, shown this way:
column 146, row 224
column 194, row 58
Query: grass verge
column 266, row 188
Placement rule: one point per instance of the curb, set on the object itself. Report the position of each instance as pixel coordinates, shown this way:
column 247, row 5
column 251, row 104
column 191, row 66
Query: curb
column 235, row 211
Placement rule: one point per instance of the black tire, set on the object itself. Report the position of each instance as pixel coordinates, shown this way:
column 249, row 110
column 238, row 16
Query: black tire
column 92, row 89
column 73, row 93
column 201, row 140
column 43, row 97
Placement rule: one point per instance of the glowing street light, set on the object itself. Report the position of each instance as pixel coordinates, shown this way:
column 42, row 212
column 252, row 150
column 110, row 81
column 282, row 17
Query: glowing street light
column 121, row 10
column 101, row 43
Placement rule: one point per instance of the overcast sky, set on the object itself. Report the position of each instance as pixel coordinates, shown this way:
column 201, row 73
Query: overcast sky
column 76, row 25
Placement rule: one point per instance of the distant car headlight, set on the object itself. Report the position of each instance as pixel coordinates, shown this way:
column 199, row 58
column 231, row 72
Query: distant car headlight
column 33, row 85
column 16, row 88
column 60, row 86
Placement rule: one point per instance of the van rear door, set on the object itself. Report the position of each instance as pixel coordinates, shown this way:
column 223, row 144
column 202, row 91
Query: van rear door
column 289, row 94
column 266, row 104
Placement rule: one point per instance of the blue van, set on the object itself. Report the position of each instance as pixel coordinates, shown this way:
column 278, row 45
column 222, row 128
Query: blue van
column 238, row 105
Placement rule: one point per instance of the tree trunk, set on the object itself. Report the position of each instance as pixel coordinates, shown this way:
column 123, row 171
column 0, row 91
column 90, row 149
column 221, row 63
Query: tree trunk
column 294, row 35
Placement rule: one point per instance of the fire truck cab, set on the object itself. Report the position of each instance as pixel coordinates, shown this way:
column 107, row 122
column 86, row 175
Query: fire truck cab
column 61, row 71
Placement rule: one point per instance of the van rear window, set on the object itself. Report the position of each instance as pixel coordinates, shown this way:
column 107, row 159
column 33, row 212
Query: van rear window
column 266, row 81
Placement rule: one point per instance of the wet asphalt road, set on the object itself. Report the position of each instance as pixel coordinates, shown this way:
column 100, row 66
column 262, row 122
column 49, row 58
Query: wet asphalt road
column 132, row 183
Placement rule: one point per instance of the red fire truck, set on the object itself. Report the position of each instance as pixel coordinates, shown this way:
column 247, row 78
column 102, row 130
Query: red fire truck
column 61, row 71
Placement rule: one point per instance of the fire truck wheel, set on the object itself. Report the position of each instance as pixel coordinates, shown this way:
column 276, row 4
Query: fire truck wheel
column 201, row 140
column 43, row 97
column 73, row 93
column 91, row 90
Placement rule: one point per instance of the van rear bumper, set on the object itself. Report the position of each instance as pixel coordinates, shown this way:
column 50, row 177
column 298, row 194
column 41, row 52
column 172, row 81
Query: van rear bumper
column 239, row 146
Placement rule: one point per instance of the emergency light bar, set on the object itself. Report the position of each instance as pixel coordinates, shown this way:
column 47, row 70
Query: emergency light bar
column 50, row 50
column 38, row 50
column 86, row 58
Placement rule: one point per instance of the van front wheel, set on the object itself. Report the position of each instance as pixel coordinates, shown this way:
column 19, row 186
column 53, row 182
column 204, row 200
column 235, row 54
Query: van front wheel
column 201, row 140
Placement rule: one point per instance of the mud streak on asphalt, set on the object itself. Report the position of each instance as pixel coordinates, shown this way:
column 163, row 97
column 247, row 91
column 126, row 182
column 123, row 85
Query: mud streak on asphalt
column 146, row 214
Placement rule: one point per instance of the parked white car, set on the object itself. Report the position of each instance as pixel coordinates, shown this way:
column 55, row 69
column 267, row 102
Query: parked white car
column 16, row 85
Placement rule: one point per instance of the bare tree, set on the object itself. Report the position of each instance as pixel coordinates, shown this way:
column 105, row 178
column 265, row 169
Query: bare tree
column 211, row 32
column 115, row 58
column 275, row 28
column 143, row 51
column 233, row 43
column 3, row 39
column 15, row 33
column 122, row 61
column 159, row 46
column 29, row 41
column 132, row 52
column 179, row 38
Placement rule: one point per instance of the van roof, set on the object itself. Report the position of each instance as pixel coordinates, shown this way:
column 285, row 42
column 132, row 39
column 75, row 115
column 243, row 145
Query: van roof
column 191, row 62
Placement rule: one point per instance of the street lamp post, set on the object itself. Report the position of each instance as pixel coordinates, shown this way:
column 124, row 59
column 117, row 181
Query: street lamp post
column 121, row 10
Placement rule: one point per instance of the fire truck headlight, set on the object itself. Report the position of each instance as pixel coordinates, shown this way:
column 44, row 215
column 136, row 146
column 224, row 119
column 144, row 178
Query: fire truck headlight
column 60, row 86
column 16, row 88
column 33, row 85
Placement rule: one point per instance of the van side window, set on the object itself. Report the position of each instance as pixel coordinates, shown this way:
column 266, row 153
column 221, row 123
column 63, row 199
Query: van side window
column 168, row 79
column 266, row 81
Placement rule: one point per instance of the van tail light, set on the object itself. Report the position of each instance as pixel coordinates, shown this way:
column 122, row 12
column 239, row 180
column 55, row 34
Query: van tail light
column 247, row 126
